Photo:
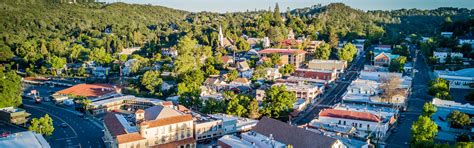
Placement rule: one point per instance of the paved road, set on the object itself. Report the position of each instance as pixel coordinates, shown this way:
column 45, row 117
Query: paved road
column 333, row 96
column 415, row 104
column 78, row 133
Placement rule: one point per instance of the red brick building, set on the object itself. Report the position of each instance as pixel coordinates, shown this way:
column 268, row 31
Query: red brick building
column 328, row 75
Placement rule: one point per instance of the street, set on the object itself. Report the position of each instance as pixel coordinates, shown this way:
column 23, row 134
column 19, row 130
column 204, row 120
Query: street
column 334, row 95
column 419, row 95
column 78, row 132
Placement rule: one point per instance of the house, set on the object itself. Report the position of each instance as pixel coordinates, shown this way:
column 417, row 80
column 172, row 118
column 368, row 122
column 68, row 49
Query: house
column 382, row 58
column 327, row 75
column 129, row 51
column 338, row 65
column 100, row 72
column 463, row 78
column 442, row 56
column 240, row 82
column 227, row 60
column 366, row 87
column 447, row 34
column 244, row 69
column 171, row 52
column 287, row 56
column 272, row 73
column 13, row 115
column 215, row 84
column 24, row 139
column 466, row 40
column 446, row 132
column 91, row 91
column 157, row 126
column 270, row 133
column 127, row 66
column 313, row 45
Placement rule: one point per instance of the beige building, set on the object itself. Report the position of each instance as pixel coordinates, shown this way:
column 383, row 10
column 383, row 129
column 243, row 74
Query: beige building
column 338, row 65
column 157, row 126
column 13, row 115
column 287, row 56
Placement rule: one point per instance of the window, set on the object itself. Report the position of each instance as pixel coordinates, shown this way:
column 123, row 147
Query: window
column 339, row 122
column 344, row 122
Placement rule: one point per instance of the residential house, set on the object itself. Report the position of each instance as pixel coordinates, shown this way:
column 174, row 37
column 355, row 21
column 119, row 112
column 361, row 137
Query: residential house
column 227, row 60
column 295, row 57
column 447, row 34
column 244, row 69
column 272, row 73
column 382, row 58
column 466, row 40
column 129, row 51
column 100, row 72
column 240, row 82
column 386, row 48
column 338, row 65
column 127, row 66
column 13, row 115
column 442, row 56
column 463, row 78
column 313, row 45
column 215, row 84
column 171, row 52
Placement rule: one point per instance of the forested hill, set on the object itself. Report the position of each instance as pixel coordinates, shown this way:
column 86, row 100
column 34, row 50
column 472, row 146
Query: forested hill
column 45, row 20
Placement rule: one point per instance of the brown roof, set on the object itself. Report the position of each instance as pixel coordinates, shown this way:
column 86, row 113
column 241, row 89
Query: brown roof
column 288, row 134
column 183, row 109
column 241, row 80
column 140, row 111
column 335, row 113
column 169, row 120
column 176, row 144
column 40, row 79
column 88, row 90
column 113, row 125
column 226, row 59
column 281, row 51
column 129, row 138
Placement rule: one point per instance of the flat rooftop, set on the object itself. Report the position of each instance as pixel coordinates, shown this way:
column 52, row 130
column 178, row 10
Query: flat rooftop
column 11, row 109
column 128, row 97
column 25, row 139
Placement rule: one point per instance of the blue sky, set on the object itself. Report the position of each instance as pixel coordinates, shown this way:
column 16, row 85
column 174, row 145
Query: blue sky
column 243, row 5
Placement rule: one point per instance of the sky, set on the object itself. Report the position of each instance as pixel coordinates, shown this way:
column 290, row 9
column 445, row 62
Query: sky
column 223, row 6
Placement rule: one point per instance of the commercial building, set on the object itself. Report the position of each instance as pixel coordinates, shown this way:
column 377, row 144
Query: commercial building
column 128, row 103
column 287, row 56
column 157, row 126
column 446, row 132
column 14, row 115
column 303, row 91
column 463, row 78
column 91, row 91
column 326, row 75
column 27, row 139
column 338, row 65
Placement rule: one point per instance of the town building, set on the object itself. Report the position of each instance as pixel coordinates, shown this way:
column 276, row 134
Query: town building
column 386, row 48
column 463, row 78
column 171, row 52
column 91, row 91
column 24, row 139
column 270, row 133
column 447, row 34
column 327, row 75
column 363, row 121
column 338, row 65
column 214, row 126
column 307, row 92
column 157, row 126
column 240, row 82
column 295, row 57
column 443, row 109
column 100, row 72
column 313, row 45
column 215, row 84
column 127, row 103
column 272, row 74
column 127, row 67
column 231, row 141
column 13, row 115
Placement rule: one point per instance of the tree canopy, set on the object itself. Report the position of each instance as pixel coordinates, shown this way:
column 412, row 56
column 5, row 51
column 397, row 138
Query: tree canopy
column 277, row 101
column 43, row 125
column 10, row 89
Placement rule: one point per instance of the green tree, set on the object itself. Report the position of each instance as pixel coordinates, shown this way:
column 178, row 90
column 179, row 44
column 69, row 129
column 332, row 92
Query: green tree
column 439, row 88
column 347, row 52
column 190, row 55
column 43, row 125
column 458, row 119
column 428, row 109
column 470, row 96
column 322, row 52
column 212, row 106
column 277, row 15
column 56, row 63
column 5, row 54
column 277, row 101
column 232, row 75
column 464, row 145
column 396, row 65
column 423, row 130
column 287, row 69
column 151, row 80
column 237, row 104
column 253, row 110
column 100, row 56
column 10, row 89
column 242, row 44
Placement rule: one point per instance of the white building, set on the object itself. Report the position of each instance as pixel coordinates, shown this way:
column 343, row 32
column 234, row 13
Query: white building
column 458, row 79
column 447, row 34
column 338, row 65
column 441, row 56
column 27, row 139
column 308, row 92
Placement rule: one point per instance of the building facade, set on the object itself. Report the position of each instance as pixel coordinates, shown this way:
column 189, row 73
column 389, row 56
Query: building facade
column 295, row 57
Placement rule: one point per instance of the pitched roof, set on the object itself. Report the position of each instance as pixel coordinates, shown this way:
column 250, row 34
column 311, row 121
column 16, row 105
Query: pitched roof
column 281, row 51
column 226, row 59
column 288, row 134
column 345, row 114
column 159, row 112
column 88, row 90
column 168, row 120
column 113, row 125
column 241, row 80
column 243, row 65
column 129, row 138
